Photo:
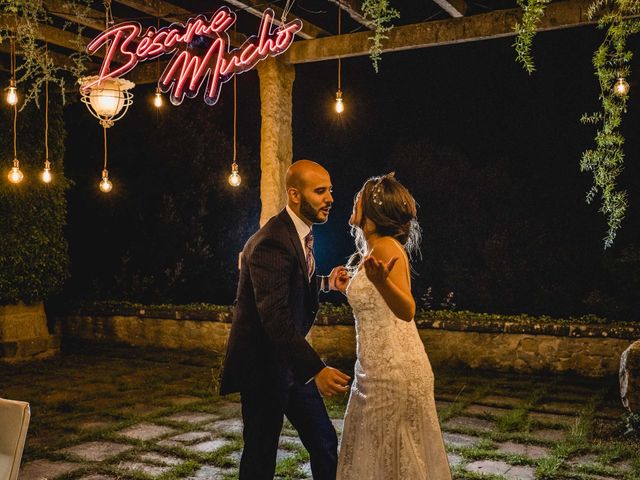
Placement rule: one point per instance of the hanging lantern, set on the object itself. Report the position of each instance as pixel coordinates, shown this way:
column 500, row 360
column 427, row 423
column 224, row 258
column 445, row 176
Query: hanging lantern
column 108, row 100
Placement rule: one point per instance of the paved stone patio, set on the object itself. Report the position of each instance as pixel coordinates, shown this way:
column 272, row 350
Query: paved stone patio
column 121, row 413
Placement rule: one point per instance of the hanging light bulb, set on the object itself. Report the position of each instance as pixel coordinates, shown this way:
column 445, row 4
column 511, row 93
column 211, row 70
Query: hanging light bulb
column 157, row 101
column 105, row 183
column 339, row 102
column 12, row 93
column 235, row 179
column 621, row 88
column 46, row 173
column 15, row 175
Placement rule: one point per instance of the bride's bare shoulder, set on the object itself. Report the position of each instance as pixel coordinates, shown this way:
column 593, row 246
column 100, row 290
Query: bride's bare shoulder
column 386, row 248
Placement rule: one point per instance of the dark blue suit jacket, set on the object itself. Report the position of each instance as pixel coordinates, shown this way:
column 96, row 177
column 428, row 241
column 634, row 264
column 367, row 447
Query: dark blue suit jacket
column 276, row 306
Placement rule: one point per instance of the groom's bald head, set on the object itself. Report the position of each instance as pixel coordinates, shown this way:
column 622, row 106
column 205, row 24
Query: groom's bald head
column 309, row 191
column 301, row 172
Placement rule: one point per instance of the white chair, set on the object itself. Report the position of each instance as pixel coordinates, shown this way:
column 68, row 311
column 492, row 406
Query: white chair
column 14, row 421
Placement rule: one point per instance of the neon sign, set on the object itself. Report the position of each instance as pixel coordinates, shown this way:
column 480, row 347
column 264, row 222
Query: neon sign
column 200, row 51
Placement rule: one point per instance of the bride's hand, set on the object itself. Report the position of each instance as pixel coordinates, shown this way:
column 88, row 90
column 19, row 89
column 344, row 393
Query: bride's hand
column 377, row 272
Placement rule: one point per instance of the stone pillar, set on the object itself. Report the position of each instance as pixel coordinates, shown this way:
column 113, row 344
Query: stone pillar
column 24, row 334
column 276, row 137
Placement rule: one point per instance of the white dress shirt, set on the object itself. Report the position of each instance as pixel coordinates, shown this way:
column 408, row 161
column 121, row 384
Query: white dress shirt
column 302, row 228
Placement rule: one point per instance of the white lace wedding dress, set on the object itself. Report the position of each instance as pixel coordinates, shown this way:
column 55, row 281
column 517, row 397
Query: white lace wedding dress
column 391, row 429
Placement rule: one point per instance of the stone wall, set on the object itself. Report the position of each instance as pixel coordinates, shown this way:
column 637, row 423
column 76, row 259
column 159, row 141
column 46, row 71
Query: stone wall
column 24, row 334
column 587, row 350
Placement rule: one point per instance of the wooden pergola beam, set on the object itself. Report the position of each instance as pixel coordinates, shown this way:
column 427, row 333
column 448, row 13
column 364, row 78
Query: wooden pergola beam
column 455, row 8
column 497, row 24
column 55, row 36
column 354, row 9
column 172, row 13
column 90, row 17
column 58, row 58
column 257, row 7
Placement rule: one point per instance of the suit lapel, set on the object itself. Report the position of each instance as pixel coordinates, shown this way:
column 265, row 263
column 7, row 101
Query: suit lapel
column 295, row 241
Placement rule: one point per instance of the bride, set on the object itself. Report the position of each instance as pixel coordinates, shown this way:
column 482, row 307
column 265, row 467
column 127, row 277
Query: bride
column 391, row 428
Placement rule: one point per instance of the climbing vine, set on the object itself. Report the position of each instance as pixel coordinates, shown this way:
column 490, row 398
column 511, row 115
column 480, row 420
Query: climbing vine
column 22, row 20
column 533, row 11
column 380, row 13
column 611, row 63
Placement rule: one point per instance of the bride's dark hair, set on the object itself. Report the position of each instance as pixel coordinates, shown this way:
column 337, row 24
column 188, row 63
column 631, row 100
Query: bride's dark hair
column 392, row 210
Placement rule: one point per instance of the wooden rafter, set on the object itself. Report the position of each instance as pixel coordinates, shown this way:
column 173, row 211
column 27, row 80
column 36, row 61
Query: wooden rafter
column 90, row 18
column 55, row 36
column 58, row 58
column 256, row 7
column 455, row 8
column 497, row 24
column 354, row 9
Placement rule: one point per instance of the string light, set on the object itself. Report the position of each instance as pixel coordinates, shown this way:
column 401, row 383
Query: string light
column 235, row 179
column 46, row 173
column 12, row 91
column 157, row 100
column 15, row 175
column 339, row 102
column 621, row 88
column 105, row 183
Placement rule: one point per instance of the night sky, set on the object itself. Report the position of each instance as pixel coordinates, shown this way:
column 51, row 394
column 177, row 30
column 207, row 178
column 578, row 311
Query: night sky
column 471, row 103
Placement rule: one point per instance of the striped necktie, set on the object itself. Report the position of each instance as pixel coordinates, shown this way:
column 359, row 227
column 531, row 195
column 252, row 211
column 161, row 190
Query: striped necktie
column 311, row 261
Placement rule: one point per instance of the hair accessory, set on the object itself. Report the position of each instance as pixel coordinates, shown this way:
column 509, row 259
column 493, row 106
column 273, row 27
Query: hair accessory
column 376, row 191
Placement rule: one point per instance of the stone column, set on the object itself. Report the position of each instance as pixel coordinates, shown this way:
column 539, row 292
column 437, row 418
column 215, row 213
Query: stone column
column 276, row 138
column 24, row 334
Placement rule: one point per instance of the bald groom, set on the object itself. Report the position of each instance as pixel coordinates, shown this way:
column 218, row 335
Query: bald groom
column 268, row 359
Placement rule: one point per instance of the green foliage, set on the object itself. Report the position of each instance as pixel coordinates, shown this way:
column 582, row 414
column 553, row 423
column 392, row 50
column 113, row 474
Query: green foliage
column 34, row 66
column 380, row 13
column 522, row 318
column 33, row 260
column 611, row 61
column 533, row 10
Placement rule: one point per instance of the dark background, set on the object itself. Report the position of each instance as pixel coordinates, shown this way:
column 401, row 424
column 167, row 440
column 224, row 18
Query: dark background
column 490, row 153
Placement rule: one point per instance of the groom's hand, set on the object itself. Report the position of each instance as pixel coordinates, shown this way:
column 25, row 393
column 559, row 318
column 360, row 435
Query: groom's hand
column 339, row 279
column 331, row 381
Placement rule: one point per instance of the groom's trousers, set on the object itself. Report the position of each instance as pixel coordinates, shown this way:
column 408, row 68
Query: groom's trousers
column 263, row 414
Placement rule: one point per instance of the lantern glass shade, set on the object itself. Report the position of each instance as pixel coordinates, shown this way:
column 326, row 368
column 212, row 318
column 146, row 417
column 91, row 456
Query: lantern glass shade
column 107, row 99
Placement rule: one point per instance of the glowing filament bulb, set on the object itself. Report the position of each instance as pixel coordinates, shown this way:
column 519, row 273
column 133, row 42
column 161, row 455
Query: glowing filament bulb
column 339, row 103
column 12, row 93
column 157, row 100
column 621, row 88
column 15, row 175
column 235, row 179
column 46, row 173
column 105, row 183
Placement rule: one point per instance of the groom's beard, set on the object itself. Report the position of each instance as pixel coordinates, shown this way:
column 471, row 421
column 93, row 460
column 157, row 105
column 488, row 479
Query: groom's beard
column 310, row 213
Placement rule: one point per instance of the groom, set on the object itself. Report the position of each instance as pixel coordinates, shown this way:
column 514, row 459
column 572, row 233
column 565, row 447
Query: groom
column 268, row 359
